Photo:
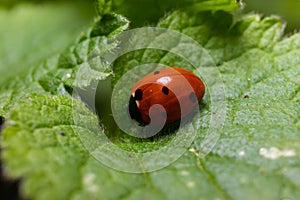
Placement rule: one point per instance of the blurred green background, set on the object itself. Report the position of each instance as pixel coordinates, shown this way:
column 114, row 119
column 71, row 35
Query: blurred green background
column 32, row 31
column 288, row 10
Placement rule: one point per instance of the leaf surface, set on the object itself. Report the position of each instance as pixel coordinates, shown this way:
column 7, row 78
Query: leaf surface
column 256, row 156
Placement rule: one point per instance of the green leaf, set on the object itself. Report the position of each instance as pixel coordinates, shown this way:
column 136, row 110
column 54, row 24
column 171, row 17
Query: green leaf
column 260, row 136
column 50, row 135
column 257, row 154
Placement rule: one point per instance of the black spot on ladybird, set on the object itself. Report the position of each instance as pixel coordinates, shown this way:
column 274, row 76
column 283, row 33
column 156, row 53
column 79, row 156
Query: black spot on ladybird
column 156, row 72
column 138, row 95
column 165, row 90
column 193, row 97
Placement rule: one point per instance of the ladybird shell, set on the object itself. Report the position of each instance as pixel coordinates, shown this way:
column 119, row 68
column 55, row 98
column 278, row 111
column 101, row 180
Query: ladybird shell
column 177, row 91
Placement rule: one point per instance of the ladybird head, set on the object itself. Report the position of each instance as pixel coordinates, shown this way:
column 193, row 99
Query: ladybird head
column 144, row 103
column 134, row 111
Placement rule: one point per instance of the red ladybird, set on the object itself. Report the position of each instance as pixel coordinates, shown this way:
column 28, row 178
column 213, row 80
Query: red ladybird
column 177, row 90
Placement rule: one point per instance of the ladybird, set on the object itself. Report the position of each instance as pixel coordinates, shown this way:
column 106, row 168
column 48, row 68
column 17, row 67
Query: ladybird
column 177, row 91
